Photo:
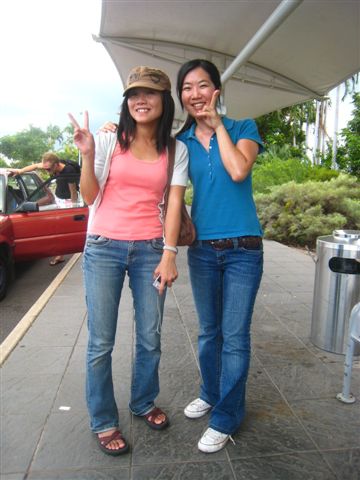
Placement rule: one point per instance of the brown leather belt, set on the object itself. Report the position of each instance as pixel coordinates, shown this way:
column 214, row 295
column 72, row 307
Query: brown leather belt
column 250, row 243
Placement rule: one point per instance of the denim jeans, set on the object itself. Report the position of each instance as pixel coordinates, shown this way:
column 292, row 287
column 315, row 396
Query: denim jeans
column 106, row 263
column 224, row 284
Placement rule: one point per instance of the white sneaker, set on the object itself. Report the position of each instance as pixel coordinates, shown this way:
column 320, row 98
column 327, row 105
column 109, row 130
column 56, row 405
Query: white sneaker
column 212, row 441
column 197, row 408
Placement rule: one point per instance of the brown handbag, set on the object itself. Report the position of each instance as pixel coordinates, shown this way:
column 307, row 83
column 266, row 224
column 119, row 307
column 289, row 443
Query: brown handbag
column 187, row 233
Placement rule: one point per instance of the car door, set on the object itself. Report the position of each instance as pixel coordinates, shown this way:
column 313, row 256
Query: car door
column 52, row 229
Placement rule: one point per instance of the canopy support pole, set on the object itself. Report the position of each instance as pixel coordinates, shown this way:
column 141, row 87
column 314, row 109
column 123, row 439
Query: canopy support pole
column 278, row 16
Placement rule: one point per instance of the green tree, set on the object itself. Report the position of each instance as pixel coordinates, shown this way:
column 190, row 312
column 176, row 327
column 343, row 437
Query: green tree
column 29, row 145
column 68, row 150
column 348, row 154
column 285, row 127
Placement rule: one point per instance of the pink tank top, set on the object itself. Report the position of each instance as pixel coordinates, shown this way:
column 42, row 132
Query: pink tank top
column 130, row 205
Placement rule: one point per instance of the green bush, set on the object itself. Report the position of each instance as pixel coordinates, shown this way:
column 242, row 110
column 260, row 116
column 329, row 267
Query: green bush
column 189, row 194
column 296, row 214
column 276, row 171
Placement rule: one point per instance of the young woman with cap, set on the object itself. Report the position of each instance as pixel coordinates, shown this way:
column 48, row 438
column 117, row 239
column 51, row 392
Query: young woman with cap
column 123, row 178
column 226, row 261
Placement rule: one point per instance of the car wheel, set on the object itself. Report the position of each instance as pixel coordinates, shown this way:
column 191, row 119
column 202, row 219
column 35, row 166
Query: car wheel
column 4, row 278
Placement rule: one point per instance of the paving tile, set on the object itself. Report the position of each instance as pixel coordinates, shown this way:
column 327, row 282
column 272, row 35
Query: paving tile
column 178, row 386
column 59, row 335
column 265, row 326
column 18, row 440
column 269, row 429
column 295, row 317
column 172, row 336
column 267, row 287
column 68, row 442
column 309, row 379
column 115, row 473
column 345, row 463
column 284, row 349
column 209, row 470
column 178, row 356
column 306, row 466
column 65, row 296
column 330, row 423
column 36, row 360
column 83, row 335
column 13, row 476
column 278, row 298
column 259, row 386
column 71, row 394
column 28, row 394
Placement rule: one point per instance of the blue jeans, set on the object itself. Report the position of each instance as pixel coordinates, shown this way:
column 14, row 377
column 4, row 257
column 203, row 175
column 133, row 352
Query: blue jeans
column 106, row 263
column 224, row 284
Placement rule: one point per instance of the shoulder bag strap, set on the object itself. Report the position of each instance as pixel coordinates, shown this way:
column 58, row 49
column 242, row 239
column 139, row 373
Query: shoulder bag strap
column 170, row 169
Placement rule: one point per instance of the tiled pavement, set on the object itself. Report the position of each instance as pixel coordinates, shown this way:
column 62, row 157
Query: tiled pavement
column 295, row 429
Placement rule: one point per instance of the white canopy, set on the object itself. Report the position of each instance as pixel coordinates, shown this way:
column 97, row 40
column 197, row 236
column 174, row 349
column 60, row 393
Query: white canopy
column 288, row 52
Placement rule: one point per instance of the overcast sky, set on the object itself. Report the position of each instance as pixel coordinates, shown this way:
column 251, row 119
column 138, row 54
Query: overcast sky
column 51, row 65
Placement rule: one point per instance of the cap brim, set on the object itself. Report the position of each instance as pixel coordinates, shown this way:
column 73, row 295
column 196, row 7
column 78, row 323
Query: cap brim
column 144, row 85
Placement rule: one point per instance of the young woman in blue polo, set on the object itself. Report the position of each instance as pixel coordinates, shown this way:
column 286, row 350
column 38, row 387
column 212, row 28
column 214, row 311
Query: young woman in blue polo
column 226, row 261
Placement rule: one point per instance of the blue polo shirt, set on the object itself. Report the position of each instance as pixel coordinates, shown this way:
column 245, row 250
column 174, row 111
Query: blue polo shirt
column 221, row 207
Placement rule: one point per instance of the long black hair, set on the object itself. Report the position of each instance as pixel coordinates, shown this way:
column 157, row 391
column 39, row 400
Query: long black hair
column 127, row 125
column 187, row 67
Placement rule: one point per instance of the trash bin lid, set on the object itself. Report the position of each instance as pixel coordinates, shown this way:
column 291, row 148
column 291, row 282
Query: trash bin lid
column 347, row 234
column 346, row 240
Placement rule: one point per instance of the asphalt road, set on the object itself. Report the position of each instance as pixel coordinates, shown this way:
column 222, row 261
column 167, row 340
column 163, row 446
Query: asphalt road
column 31, row 279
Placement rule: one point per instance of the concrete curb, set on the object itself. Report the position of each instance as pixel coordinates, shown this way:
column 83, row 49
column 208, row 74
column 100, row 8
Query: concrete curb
column 27, row 320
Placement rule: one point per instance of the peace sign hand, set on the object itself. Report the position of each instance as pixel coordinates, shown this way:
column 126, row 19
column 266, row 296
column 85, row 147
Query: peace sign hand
column 209, row 114
column 83, row 138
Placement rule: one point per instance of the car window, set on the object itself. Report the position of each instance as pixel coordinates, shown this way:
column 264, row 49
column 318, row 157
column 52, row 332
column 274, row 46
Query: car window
column 15, row 194
column 34, row 193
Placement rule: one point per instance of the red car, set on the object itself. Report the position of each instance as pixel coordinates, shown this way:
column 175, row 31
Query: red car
column 33, row 225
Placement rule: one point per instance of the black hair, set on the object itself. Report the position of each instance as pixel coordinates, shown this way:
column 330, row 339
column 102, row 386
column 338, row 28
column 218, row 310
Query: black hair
column 127, row 125
column 187, row 67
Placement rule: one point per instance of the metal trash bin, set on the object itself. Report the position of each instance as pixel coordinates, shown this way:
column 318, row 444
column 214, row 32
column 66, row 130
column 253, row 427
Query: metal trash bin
column 336, row 289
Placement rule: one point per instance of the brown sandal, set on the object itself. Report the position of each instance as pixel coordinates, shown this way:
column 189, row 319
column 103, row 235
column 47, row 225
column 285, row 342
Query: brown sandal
column 151, row 416
column 103, row 442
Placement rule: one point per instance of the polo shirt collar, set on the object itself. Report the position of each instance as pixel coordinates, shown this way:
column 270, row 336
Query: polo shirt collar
column 228, row 123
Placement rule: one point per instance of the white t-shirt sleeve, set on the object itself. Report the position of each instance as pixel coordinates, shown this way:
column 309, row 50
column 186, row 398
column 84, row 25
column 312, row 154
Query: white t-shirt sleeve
column 104, row 145
column 180, row 174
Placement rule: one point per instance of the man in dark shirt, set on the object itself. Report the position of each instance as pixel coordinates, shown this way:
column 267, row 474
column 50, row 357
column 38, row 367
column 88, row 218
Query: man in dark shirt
column 65, row 174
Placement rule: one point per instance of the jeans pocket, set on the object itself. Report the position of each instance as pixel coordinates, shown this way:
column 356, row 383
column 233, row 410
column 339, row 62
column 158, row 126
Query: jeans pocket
column 96, row 241
column 157, row 244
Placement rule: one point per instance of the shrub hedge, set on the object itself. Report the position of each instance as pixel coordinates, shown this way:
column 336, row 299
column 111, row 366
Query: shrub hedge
column 276, row 171
column 296, row 214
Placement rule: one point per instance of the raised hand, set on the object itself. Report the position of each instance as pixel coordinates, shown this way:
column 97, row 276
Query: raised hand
column 209, row 114
column 83, row 138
